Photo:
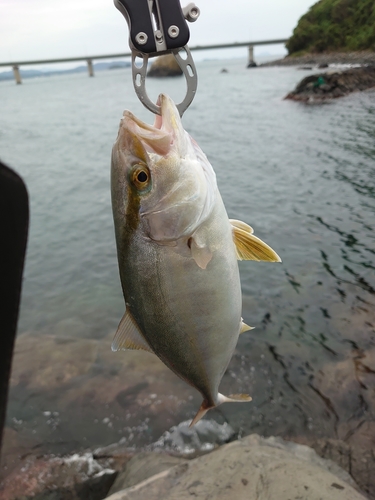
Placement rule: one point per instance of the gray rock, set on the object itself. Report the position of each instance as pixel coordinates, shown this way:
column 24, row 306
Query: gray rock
column 141, row 467
column 76, row 477
column 331, row 85
column 359, row 460
column 252, row 469
column 165, row 66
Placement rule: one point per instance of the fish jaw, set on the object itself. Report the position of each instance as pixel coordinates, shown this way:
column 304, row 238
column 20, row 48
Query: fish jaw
column 182, row 182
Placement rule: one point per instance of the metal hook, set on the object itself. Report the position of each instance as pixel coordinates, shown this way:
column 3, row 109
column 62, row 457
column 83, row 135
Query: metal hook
column 188, row 68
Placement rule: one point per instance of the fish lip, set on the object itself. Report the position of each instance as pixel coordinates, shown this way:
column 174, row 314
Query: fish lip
column 167, row 107
column 164, row 135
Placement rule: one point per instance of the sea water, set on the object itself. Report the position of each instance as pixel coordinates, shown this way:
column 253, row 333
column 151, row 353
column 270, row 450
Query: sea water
column 302, row 176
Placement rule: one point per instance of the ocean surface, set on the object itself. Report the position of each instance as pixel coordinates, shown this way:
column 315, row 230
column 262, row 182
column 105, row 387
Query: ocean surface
column 302, row 176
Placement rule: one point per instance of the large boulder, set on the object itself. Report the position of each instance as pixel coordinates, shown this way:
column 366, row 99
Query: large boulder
column 165, row 66
column 323, row 86
column 247, row 470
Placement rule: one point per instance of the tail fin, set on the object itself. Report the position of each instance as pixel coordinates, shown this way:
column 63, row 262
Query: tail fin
column 232, row 398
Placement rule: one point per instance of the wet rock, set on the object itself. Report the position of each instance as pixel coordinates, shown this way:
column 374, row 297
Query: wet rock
column 323, row 86
column 165, row 66
column 77, row 477
column 358, row 461
column 346, row 387
column 142, row 466
column 249, row 469
column 348, row 384
column 69, row 393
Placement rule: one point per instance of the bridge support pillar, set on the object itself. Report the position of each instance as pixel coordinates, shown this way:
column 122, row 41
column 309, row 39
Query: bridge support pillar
column 16, row 73
column 251, row 63
column 90, row 67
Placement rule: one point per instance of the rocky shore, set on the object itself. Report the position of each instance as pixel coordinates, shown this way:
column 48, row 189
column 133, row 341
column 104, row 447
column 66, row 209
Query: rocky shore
column 208, row 459
column 249, row 469
column 352, row 58
column 332, row 84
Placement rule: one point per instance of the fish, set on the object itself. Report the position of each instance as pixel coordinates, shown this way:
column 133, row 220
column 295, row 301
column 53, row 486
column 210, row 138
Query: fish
column 177, row 253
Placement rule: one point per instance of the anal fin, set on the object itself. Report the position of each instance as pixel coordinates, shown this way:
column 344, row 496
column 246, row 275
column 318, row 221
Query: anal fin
column 244, row 327
column 129, row 336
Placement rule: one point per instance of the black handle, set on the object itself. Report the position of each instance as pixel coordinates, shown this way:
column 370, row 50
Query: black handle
column 139, row 19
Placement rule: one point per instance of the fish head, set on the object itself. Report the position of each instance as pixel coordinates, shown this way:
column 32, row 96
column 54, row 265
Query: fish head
column 162, row 183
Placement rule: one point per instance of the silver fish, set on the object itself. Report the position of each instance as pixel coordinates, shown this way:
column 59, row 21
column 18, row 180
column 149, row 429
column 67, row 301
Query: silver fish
column 177, row 253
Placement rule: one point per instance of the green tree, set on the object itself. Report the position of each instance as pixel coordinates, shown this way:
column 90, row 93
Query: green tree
column 332, row 25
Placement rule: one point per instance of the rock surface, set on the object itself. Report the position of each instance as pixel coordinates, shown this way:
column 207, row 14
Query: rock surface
column 333, row 84
column 141, row 466
column 359, row 461
column 250, row 469
column 78, row 477
column 165, row 66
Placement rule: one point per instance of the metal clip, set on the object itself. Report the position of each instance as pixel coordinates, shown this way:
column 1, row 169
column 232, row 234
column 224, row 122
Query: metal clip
column 158, row 27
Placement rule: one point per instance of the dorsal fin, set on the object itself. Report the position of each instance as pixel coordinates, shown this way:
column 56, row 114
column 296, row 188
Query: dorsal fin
column 129, row 336
column 250, row 247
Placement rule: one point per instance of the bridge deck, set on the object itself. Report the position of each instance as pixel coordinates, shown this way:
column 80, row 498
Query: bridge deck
column 128, row 54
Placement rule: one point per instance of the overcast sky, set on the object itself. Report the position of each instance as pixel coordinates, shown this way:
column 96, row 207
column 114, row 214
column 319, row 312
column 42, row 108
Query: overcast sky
column 42, row 29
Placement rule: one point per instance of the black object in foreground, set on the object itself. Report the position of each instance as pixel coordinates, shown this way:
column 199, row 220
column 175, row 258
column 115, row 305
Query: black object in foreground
column 14, row 224
column 323, row 86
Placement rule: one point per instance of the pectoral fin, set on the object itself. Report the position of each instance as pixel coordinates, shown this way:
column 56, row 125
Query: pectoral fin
column 200, row 252
column 250, row 247
column 129, row 336
column 241, row 225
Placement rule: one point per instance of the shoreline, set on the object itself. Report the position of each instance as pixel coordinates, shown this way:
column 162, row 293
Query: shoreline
column 110, row 472
column 361, row 58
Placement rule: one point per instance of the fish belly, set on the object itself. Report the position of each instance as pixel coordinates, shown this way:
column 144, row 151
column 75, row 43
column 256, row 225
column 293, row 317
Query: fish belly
column 189, row 316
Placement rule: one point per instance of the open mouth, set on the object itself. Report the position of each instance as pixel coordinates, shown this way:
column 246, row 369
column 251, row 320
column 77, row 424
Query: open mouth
column 157, row 138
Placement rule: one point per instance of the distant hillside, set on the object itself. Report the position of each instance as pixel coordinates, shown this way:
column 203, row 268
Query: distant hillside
column 335, row 25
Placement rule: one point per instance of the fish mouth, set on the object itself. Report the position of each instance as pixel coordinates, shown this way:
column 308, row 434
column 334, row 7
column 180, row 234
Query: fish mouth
column 165, row 134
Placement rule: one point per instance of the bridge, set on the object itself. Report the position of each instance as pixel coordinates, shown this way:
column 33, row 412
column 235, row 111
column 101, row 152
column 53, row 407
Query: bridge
column 89, row 59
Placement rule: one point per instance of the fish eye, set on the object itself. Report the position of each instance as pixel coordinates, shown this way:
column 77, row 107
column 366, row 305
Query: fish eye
column 140, row 176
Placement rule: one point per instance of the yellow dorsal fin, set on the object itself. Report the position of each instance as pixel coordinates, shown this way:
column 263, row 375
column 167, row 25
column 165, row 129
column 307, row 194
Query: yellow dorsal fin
column 250, row 247
column 241, row 225
column 129, row 336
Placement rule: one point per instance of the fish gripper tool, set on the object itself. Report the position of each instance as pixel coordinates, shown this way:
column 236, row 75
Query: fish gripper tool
column 158, row 27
